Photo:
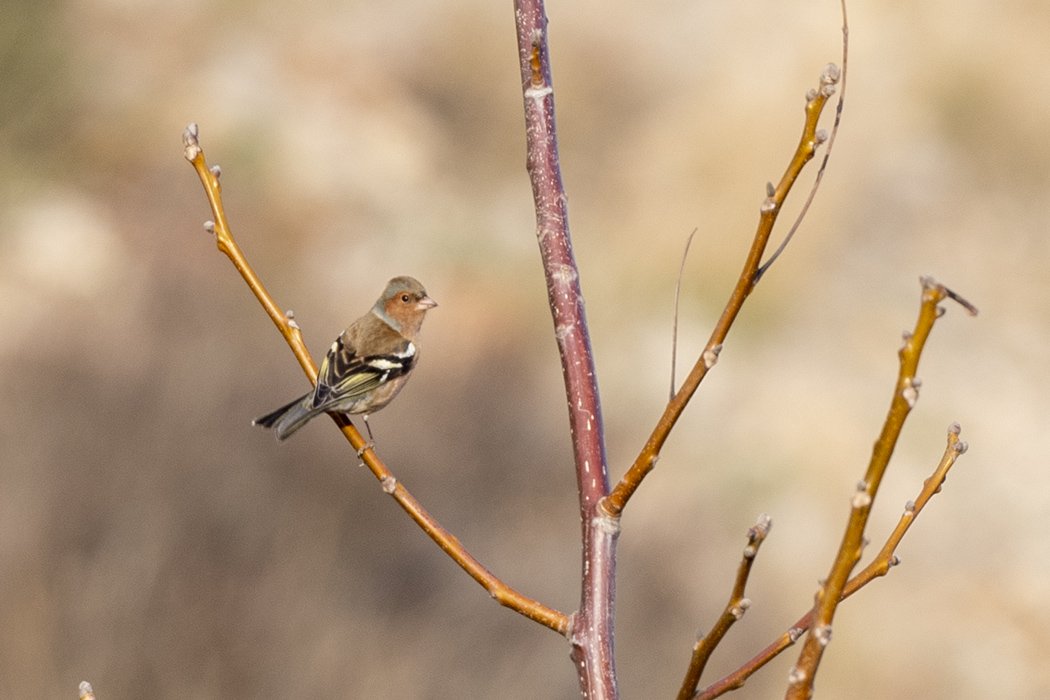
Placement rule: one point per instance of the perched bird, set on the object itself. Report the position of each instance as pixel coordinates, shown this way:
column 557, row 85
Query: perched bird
column 367, row 364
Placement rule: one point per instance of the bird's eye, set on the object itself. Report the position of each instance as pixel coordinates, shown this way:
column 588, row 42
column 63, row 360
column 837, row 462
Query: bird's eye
column 405, row 298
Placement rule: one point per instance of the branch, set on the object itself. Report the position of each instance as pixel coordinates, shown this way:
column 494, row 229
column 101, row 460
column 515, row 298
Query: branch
column 905, row 396
column 734, row 610
column 811, row 138
column 827, row 153
column 559, row 265
column 592, row 624
column 880, row 566
column 503, row 593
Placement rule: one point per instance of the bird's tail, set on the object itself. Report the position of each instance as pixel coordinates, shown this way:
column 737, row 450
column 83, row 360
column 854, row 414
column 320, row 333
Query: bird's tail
column 289, row 418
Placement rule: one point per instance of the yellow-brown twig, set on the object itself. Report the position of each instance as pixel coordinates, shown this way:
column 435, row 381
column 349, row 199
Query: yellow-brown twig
column 734, row 610
column 614, row 503
column 503, row 593
column 880, row 566
column 827, row 152
column 905, row 396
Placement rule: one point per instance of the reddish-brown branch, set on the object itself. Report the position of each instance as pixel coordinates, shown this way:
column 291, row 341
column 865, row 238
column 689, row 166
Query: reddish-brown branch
column 734, row 610
column 646, row 460
column 503, row 593
column 880, row 566
column 592, row 624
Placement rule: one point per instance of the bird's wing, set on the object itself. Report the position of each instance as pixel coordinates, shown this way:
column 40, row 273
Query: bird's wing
column 344, row 374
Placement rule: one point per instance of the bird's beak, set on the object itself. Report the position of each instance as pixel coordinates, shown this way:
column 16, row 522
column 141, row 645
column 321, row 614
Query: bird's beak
column 426, row 303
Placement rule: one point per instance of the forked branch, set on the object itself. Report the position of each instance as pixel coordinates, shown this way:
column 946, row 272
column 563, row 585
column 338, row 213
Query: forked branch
column 905, row 395
column 880, row 566
column 503, row 593
column 614, row 503
column 734, row 610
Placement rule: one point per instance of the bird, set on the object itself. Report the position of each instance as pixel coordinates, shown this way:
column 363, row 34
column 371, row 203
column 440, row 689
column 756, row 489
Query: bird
column 367, row 365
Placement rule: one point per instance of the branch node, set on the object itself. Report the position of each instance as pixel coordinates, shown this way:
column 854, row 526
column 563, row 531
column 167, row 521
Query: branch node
column 820, row 137
column 768, row 205
column 830, row 75
column 209, row 226
column 796, row 676
column 861, row 499
column 711, row 356
column 216, row 171
column 609, row 524
column 389, row 484
column 794, row 633
column 910, row 393
column 738, row 610
column 955, row 429
column 564, row 275
column 909, row 507
column 960, row 447
column 770, row 190
column 538, row 93
column 86, row 692
column 189, row 141
column 534, row 57
column 822, row 633
column 290, row 315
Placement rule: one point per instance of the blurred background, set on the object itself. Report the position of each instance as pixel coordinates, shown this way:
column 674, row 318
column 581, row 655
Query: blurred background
column 154, row 543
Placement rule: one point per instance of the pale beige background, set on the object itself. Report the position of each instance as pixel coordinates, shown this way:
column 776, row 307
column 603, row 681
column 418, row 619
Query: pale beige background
column 155, row 544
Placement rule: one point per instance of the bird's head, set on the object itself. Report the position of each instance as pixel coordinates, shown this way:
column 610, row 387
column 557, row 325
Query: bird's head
column 403, row 305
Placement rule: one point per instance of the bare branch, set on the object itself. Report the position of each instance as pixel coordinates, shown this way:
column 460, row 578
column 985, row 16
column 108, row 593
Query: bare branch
column 734, row 610
column 503, row 593
column 880, row 566
column 827, row 151
column 768, row 211
column 592, row 624
column 905, row 396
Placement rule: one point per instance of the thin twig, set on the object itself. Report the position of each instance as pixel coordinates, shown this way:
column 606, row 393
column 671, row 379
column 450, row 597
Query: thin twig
column 734, row 610
column 503, row 593
column 827, row 152
column 905, row 395
column 770, row 208
column 880, row 566
column 674, row 326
